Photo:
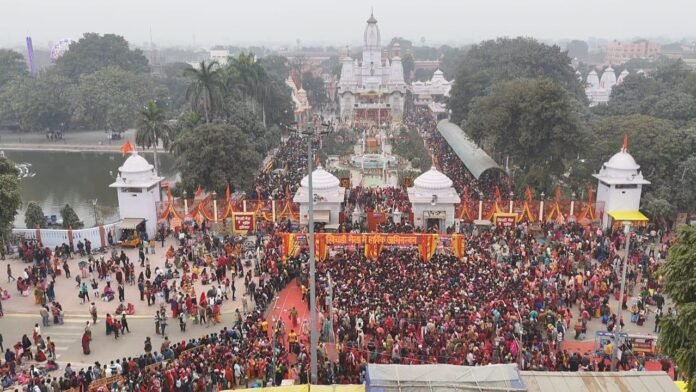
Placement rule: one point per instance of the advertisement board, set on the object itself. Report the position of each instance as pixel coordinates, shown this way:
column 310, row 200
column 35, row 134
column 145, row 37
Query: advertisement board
column 242, row 222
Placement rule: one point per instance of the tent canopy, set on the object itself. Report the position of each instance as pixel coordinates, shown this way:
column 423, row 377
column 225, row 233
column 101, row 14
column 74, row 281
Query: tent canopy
column 632, row 216
column 599, row 381
column 129, row 223
column 474, row 158
column 416, row 378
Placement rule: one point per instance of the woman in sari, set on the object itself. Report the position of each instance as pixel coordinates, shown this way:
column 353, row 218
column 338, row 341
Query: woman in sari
column 85, row 343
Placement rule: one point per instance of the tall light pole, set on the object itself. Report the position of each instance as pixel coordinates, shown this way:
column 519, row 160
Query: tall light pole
column 313, row 333
column 619, row 311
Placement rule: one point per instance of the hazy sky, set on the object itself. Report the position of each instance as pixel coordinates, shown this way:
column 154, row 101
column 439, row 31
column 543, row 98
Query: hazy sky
column 340, row 22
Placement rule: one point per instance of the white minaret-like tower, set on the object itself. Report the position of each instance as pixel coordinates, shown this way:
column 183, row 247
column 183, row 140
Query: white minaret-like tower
column 138, row 190
column 620, row 184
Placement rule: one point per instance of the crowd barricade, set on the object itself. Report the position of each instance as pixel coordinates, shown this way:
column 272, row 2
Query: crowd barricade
column 56, row 237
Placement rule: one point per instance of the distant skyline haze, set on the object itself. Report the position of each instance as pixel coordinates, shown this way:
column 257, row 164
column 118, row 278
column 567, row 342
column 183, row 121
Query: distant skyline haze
column 328, row 22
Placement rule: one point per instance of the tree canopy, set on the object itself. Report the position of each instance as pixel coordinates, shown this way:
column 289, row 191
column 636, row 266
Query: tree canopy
column 12, row 67
column 70, row 218
column 214, row 155
column 10, row 198
column 534, row 121
column 504, row 59
column 678, row 333
column 38, row 103
column 94, row 52
column 107, row 98
column 34, row 216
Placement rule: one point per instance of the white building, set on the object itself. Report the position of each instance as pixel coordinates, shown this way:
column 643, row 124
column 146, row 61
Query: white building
column 300, row 102
column 620, row 185
column 435, row 88
column 433, row 200
column 138, row 190
column 598, row 90
column 328, row 197
column 374, row 89
column 220, row 55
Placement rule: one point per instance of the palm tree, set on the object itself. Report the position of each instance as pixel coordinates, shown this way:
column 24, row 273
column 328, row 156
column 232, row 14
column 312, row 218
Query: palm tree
column 246, row 76
column 152, row 128
column 206, row 89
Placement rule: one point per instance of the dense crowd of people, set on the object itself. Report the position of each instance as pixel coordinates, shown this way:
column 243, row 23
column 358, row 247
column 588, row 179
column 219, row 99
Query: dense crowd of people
column 512, row 299
column 283, row 178
column 449, row 163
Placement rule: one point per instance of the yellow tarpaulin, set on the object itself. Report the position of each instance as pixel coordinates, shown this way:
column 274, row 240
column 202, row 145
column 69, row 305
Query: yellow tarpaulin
column 632, row 216
column 289, row 388
column 681, row 385
column 337, row 388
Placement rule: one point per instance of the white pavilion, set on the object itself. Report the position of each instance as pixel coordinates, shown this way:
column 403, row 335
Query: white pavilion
column 620, row 186
column 598, row 90
column 431, row 93
column 433, row 200
column 328, row 197
column 138, row 188
column 372, row 90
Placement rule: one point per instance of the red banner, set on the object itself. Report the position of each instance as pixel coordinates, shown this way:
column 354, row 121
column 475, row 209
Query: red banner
column 242, row 222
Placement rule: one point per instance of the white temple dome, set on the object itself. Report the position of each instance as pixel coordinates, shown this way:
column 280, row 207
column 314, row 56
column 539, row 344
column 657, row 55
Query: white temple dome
column 321, row 179
column 622, row 160
column 135, row 164
column 432, row 179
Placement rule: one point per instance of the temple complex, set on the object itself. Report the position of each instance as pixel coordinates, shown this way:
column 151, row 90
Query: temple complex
column 372, row 90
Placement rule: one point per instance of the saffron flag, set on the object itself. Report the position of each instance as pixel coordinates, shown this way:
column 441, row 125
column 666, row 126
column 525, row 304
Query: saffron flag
column 624, row 148
column 498, row 196
column 227, row 193
column 199, row 190
column 126, row 148
column 528, row 194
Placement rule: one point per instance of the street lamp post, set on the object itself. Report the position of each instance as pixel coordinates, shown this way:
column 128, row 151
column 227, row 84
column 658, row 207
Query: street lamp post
column 94, row 206
column 314, row 337
column 619, row 311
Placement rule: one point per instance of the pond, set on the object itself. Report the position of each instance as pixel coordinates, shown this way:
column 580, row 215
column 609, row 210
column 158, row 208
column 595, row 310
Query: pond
column 54, row 178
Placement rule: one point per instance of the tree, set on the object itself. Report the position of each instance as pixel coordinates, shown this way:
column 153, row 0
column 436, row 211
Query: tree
column 316, row 90
column 248, row 80
column 12, row 67
column 107, row 98
column 533, row 121
column 505, row 59
column 214, row 155
column 70, row 218
column 151, row 129
column 38, row 103
column 678, row 333
column 94, row 52
column 34, row 216
column 10, row 198
column 205, row 93
column 408, row 63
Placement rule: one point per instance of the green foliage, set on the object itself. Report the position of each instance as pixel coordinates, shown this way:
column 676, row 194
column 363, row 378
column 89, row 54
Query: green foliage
column 152, row 128
column 667, row 155
column 669, row 92
column 340, row 142
column 108, row 98
column 10, row 198
column 12, row 67
column 70, row 218
column 678, row 335
column 316, row 90
column 504, row 59
column 534, row 121
column 38, row 103
column 94, row 52
column 206, row 91
column 408, row 63
column 409, row 145
column 215, row 155
column 34, row 216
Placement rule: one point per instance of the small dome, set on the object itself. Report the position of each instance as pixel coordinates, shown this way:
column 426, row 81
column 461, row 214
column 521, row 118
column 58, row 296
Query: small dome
column 135, row 164
column 622, row 161
column 432, row 179
column 372, row 19
column 437, row 72
column 321, row 179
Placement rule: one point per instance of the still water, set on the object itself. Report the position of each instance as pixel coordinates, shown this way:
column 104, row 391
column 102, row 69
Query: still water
column 54, row 178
